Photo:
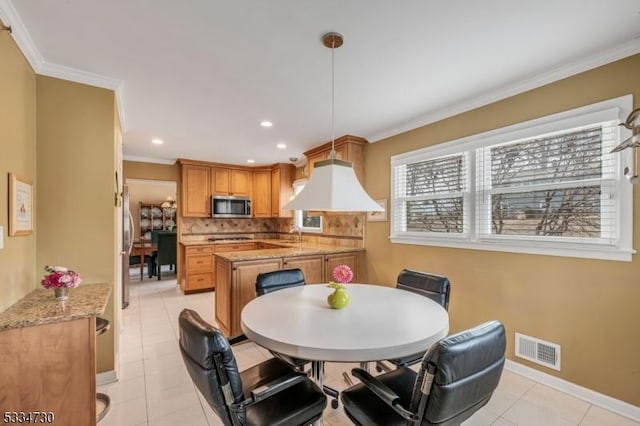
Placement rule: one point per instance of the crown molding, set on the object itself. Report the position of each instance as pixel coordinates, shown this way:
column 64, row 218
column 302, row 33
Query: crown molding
column 610, row 55
column 25, row 43
column 20, row 34
column 140, row 159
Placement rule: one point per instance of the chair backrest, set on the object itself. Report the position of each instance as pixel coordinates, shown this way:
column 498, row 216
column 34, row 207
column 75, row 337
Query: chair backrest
column 167, row 245
column 277, row 280
column 466, row 369
column 200, row 342
column 435, row 287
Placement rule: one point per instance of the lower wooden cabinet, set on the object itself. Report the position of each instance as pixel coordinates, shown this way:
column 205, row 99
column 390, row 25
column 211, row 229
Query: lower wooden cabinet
column 352, row 259
column 198, row 269
column 238, row 290
column 50, row 368
column 312, row 267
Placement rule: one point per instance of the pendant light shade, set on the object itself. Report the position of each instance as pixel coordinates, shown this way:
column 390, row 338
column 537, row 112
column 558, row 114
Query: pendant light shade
column 333, row 186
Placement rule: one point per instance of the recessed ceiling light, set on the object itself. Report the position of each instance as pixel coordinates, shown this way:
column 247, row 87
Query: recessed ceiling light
column 251, row 161
column 157, row 141
column 266, row 123
column 281, row 145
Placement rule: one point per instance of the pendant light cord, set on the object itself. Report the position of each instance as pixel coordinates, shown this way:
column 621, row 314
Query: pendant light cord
column 332, row 155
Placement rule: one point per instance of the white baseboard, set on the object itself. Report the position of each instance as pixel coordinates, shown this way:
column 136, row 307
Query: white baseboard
column 106, row 377
column 601, row 400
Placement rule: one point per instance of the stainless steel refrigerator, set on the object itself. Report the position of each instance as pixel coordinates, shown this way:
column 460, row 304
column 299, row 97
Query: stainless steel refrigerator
column 127, row 244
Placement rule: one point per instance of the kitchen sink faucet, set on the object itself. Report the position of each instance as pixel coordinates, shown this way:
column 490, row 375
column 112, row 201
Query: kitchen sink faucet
column 299, row 231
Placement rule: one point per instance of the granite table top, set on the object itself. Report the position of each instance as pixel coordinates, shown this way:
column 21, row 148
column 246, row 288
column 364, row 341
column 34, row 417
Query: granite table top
column 41, row 307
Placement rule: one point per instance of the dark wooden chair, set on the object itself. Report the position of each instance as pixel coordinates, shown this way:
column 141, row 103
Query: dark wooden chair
column 167, row 251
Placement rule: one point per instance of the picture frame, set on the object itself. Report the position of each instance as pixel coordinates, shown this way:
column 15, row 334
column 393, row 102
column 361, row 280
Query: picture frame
column 20, row 206
column 378, row 216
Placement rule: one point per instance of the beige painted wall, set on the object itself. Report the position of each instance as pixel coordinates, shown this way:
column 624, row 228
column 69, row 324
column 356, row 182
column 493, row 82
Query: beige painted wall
column 76, row 186
column 590, row 307
column 17, row 155
column 152, row 171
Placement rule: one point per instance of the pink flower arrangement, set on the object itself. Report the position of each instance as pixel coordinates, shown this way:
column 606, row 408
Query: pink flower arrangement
column 60, row 277
column 343, row 274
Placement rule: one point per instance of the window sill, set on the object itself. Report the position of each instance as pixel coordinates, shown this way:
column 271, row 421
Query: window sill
column 562, row 250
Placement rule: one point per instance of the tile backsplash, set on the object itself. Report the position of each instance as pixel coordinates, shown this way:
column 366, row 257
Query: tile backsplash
column 344, row 230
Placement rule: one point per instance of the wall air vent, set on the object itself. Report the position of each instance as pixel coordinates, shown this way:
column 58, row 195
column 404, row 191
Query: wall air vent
column 538, row 351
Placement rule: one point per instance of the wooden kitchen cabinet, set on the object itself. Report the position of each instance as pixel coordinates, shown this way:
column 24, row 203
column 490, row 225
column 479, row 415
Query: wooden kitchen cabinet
column 221, row 248
column 261, row 202
column 195, row 195
column 352, row 259
column 348, row 148
column 227, row 181
column 199, row 269
column 281, row 189
column 240, row 289
column 312, row 267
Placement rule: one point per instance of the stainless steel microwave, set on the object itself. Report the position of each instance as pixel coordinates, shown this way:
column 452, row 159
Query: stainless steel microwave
column 230, row 206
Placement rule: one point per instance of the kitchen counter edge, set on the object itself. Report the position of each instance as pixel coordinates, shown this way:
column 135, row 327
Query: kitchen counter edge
column 41, row 307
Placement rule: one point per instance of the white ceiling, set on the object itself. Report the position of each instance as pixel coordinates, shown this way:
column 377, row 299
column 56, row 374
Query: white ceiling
column 202, row 74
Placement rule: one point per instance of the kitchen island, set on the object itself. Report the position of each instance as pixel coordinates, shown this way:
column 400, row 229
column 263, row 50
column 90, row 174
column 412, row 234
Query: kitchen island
column 48, row 355
column 236, row 273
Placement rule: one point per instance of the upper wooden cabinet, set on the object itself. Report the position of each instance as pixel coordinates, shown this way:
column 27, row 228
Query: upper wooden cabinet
column 261, row 202
column 281, row 189
column 226, row 181
column 195, row 192
column 348, row 148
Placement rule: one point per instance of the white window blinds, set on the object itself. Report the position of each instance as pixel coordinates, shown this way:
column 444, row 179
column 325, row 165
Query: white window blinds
column 431, row 195
column 559, row 186
column 548, row 186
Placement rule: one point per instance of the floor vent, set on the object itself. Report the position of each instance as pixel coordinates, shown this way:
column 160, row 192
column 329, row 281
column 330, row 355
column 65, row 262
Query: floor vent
column 538, row 351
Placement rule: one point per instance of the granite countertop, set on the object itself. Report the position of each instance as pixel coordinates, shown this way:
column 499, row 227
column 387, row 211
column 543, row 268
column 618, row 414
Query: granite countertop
column 290, row 248
column 293, row 250
column 41, row 307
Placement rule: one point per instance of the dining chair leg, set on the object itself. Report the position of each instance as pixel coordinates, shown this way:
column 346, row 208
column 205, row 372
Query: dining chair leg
column 347, row 378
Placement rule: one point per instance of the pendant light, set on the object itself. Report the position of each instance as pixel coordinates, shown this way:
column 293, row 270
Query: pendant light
column 333, row 185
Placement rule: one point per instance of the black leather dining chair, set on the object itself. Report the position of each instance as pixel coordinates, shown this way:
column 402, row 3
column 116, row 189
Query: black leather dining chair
column 435, row 287
column 270, row 393
column 268, row 282
column 457, row 377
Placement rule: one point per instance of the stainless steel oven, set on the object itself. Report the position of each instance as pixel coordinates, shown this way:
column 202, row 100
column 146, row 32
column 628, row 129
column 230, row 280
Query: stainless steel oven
column 230, row 206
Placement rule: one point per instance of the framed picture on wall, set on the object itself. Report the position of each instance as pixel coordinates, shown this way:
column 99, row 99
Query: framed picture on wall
column 20, row 206
column 378, row 216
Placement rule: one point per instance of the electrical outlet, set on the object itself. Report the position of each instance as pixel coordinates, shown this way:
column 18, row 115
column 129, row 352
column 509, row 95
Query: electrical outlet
column 1, row 237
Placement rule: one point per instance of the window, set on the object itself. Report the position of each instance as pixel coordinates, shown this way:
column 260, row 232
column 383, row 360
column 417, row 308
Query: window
column 548, row 186
column 301, row 218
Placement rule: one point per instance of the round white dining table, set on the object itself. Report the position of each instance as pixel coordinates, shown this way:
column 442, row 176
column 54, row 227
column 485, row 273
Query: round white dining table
column 379, row 323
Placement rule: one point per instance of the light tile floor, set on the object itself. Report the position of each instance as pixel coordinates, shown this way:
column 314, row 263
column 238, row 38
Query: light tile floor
column 155, row 389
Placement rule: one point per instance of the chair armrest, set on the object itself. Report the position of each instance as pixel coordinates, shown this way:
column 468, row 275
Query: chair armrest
column 382, row 391
column 277, row 385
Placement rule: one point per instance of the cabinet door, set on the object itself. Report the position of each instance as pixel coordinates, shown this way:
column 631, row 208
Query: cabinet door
column 195, row 191
column 351, row 259
column 220, row 180
column 313, row 159
column 240, row 183
column 281, row 189
column 275, row 193
column 243, row 286
column 312, row 267
column 261, row 202
column 221, row 248
column 223, row 295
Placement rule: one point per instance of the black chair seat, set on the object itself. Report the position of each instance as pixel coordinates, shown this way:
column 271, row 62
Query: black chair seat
column 358, row 398
column 293, row 406
column 270, row 393
column 457, row 377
